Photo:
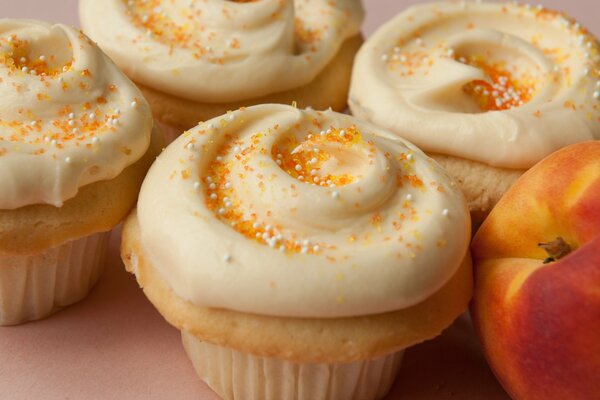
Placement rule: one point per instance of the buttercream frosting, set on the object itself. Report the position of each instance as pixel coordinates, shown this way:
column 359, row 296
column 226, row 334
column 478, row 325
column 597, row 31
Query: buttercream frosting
column 221, row 51
column 68, row 116
column 280, row 211
column 502, row 84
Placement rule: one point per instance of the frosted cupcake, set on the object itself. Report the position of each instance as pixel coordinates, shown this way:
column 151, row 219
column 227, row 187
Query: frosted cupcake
column 74, row 147
column 299, row 252
column 487, row 89
column 196, row 59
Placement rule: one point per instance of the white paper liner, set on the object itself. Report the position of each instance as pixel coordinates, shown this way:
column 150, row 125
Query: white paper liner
column 242, row 376
column 35, row 286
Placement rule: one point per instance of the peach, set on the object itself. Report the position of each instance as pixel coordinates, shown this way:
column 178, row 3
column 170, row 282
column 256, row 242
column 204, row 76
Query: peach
column 536, row 305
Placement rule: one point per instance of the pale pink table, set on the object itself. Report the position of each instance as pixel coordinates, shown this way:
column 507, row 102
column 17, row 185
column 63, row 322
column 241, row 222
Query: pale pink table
column 114, row 345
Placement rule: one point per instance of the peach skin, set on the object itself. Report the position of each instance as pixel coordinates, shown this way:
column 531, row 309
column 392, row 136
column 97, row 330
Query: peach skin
column 536, row 305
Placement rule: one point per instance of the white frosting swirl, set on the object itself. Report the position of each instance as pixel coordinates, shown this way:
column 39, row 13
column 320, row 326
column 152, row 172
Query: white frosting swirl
column 279, row 211
column 221, row 51
column 68, row 116
column 502, row 84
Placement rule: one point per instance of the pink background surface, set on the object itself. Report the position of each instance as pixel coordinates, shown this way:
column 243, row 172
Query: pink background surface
column 114, row 345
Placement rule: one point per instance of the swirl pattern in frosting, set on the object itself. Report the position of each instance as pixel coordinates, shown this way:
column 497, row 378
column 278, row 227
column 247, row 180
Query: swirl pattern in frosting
column 220, row 51
column 279, row 211
column 502, row 84
column 68, row 116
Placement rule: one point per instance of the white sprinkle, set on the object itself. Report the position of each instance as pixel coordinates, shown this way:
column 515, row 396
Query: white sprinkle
column 53, row 142
column 298, row 167
column 316, row 248
column 227, row 185
column 409, row 197
column 134, row 103
column 231, row 117
column 342, row 133
column 445, row 212
column 409, row 156
column 278, row 162
column 258, row 235
column 255, row 225
column 282, row 248
column 190, row 146
column 209, row 179
column 450, row 52
column 212, row 186
column 227, row 258
column 67, row 159
column 335, row 194
column 213, row 196
column 219, row 158
column 42, row 58
column 300, row 177
column 75, row 130
column 65, row 68
column 46, row 139
column 322, row 133
column 96, row 140
column 23, row 59
column 33, row 72
column 71, row 115
column 384, row 57
column 221, row 211
column 61, row 79
column 33, row 123
column 91, row 115
column 237, row 149
column 597, row 94
column 71, row 123
column 304, row 250
column 211, row 126
column 25, row 69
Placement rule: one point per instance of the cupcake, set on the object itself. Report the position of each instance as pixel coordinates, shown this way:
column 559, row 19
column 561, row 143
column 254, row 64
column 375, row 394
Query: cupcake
column 299, row 252
column 75, row 139
column 195, row 60
column 487, row 90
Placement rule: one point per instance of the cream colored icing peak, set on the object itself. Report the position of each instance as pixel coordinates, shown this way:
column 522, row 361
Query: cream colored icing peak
column 280, row 211
column 221, row 51
column 427, row 75
column 68, row 116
